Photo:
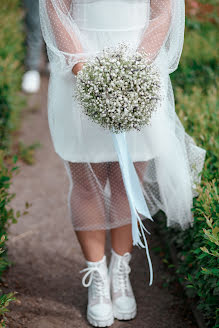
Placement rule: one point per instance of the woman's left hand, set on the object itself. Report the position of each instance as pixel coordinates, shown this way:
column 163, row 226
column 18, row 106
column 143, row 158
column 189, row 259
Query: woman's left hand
column 77, row 67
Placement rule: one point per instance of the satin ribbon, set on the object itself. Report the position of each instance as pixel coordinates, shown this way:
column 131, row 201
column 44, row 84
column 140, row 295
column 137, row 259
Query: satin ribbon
column 134, row 193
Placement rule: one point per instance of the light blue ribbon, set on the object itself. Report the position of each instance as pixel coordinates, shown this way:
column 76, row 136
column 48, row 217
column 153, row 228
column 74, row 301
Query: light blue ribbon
column 134, row 193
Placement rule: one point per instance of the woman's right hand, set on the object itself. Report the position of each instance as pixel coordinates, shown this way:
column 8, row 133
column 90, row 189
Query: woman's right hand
column 77, row 67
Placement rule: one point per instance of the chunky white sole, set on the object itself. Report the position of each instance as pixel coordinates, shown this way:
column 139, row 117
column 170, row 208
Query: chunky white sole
column 100, row 323
column 124, row 315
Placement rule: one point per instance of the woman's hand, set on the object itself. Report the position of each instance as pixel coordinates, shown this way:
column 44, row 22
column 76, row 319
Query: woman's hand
column 77, row 67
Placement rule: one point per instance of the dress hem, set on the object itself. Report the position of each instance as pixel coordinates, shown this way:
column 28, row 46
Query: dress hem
column 110, row 158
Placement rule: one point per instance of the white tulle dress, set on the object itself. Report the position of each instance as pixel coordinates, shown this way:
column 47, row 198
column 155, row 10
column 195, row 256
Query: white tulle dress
column 166, row 158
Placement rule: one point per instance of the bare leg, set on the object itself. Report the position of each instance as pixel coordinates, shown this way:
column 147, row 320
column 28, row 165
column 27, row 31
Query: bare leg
column 87, row 208
column 121, row 237
column 92, row 244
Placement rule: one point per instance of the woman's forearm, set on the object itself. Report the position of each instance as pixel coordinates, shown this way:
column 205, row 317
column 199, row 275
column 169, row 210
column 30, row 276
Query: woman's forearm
column 63, row 27
column 61, row 32
column 160, row 20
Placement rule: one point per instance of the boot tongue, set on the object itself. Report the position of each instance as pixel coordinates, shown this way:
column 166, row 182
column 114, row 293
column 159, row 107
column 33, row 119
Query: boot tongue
column 101, row 265
column 123, row 260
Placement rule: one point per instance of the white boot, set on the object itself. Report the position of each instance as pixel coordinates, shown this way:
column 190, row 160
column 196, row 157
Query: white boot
column 99, row 308
column 31, row 81
column 124, row 303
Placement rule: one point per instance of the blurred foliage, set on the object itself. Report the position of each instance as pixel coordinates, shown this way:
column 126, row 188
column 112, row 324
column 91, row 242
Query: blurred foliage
column 198, row 111
column 204, row 10
column 199, row 64
column 5, row 299
column 11, row 103
column 11, row 58
column 6, row 213
column 197, row 105
column 7, row 217
column 198, row 252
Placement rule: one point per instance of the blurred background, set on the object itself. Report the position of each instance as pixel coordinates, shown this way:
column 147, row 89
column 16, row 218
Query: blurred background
column 188, row 261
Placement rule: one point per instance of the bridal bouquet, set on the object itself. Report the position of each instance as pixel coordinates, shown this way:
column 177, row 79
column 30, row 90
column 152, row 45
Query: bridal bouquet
column 119, row 89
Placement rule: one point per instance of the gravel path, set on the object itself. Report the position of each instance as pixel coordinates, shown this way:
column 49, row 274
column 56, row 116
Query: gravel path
column 47, row 257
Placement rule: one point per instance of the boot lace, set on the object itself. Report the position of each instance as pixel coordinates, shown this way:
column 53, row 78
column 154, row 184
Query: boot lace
column 123, row 273
column 96, row 279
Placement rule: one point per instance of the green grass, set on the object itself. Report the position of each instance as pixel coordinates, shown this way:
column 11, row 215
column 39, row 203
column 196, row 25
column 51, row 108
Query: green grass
column 199, row 62
column 11, row 58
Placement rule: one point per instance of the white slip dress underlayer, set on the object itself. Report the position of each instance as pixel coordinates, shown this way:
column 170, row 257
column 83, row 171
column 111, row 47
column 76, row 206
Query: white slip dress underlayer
column 76, row 138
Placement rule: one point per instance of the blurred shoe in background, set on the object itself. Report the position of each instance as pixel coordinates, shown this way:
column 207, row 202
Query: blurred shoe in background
column 31, row 81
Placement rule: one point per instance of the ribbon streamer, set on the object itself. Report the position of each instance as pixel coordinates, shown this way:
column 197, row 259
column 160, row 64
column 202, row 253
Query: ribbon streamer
column 135, row 195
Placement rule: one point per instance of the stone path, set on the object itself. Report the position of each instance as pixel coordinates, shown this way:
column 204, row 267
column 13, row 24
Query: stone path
column 47, row 257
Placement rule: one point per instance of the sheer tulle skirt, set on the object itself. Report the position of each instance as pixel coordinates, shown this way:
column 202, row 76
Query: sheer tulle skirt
column 97, row 196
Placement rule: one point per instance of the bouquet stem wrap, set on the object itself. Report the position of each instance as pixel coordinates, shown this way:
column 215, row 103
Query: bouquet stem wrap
column 135, row 195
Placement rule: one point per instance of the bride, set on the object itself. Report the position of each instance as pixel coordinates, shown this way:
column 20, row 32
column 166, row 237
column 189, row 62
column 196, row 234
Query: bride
column 167, row 160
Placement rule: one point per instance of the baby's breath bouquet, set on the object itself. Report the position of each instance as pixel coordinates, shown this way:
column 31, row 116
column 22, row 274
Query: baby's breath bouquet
column 119, row 89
